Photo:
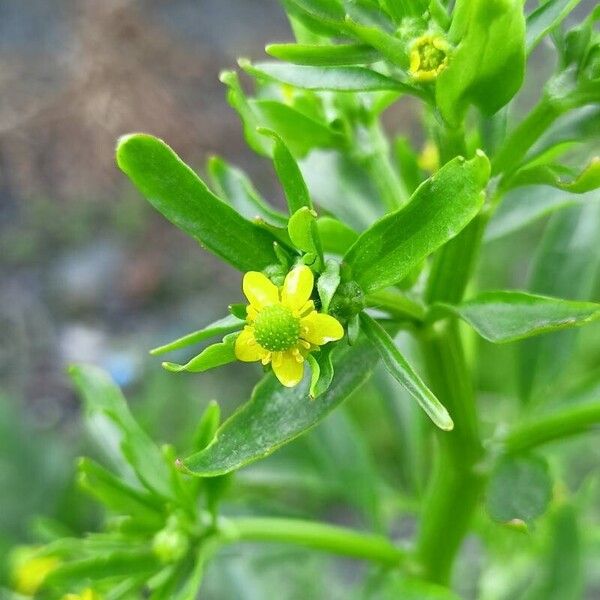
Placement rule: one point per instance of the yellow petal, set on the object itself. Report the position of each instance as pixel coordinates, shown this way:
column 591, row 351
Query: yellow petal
column 319, row 329
column 297, row 287
column 246, row 347
column 288, row 368
column 259, row 290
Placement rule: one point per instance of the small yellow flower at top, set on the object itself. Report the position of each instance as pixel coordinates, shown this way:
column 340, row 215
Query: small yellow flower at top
column 428, row 57
column 282, row 326
column 30, row 571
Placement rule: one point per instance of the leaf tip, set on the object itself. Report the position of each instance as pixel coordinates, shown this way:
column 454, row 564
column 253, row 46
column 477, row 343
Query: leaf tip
column 172, row 367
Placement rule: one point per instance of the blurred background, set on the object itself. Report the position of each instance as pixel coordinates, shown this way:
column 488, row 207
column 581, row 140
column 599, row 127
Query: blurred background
column 90, row 273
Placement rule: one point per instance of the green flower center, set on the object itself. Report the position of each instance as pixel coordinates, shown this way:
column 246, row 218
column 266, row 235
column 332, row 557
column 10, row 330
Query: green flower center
column 430, row 57
column 276, row 328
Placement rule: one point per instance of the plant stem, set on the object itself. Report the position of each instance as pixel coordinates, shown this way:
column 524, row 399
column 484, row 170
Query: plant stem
column 555, row 426
column 455, row 485
column 320, row 536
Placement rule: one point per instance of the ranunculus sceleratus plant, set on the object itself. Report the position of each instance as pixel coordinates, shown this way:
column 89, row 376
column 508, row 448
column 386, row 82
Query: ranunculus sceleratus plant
column 379, row 238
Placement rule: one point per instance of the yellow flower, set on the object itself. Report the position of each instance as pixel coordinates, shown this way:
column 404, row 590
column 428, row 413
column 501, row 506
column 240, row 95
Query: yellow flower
column 428, row 57
column 30, row 571
column 282, row 327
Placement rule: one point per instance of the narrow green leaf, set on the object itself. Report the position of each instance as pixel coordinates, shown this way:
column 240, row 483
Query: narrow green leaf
column 336, row 237
column 388, row 45
column 302, row 228
column 300, row 132
column 216, row 355
column 109, row 420
column 438, row 210
column 118, row 496
column 250, row 119
column 233, row 185
column 340, row 79
column 320, row 385
column 183, row 198
column 404, row 374
column 227, row 324
column 328, row 283
column 289, row 175
column 106, row 566
column 276, row 415
column 207, row 426
column 323, row 55
column 520, row 487
column 560, row 177
column 545, row 18
column 508, row 316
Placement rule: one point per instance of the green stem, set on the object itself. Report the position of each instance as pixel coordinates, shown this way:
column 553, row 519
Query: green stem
column 396, row 304
column 320, row 536
column 455, row 485
column 555, row 426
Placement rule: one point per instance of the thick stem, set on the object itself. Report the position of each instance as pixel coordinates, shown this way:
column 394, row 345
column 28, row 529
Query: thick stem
column 455, row 485
column 555, row 426
column 320, row 536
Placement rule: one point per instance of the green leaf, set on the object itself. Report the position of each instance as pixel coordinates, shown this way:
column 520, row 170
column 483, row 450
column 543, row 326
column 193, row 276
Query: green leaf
column 523, row 206
column 322, row 371
column 395, row 586
column 301, row 133
column 302, row 228
column 106, row 566
column 328, row 283
column 487, row 66
column 289, row 175
column 276, row 415
column 227, row 324
column 336, row 236
column 207, row 426
column 438, row 210
column 404, row 374
column 545, row 18
column 183, row 198
column 323, row 55
column 554, row 175
column 508, row 316
column 390, row 47
column 340, row 79
column 216, row 355
column 520, row 487
column 565, row 264
column 109, row 421
column 247, row 113
column 118, row 496
column 233, row 185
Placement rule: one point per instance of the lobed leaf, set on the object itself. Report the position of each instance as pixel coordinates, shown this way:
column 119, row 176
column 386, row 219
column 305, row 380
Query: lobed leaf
column 183, row 198
column 276, row 415
column 438, row 210
column 507, row 316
